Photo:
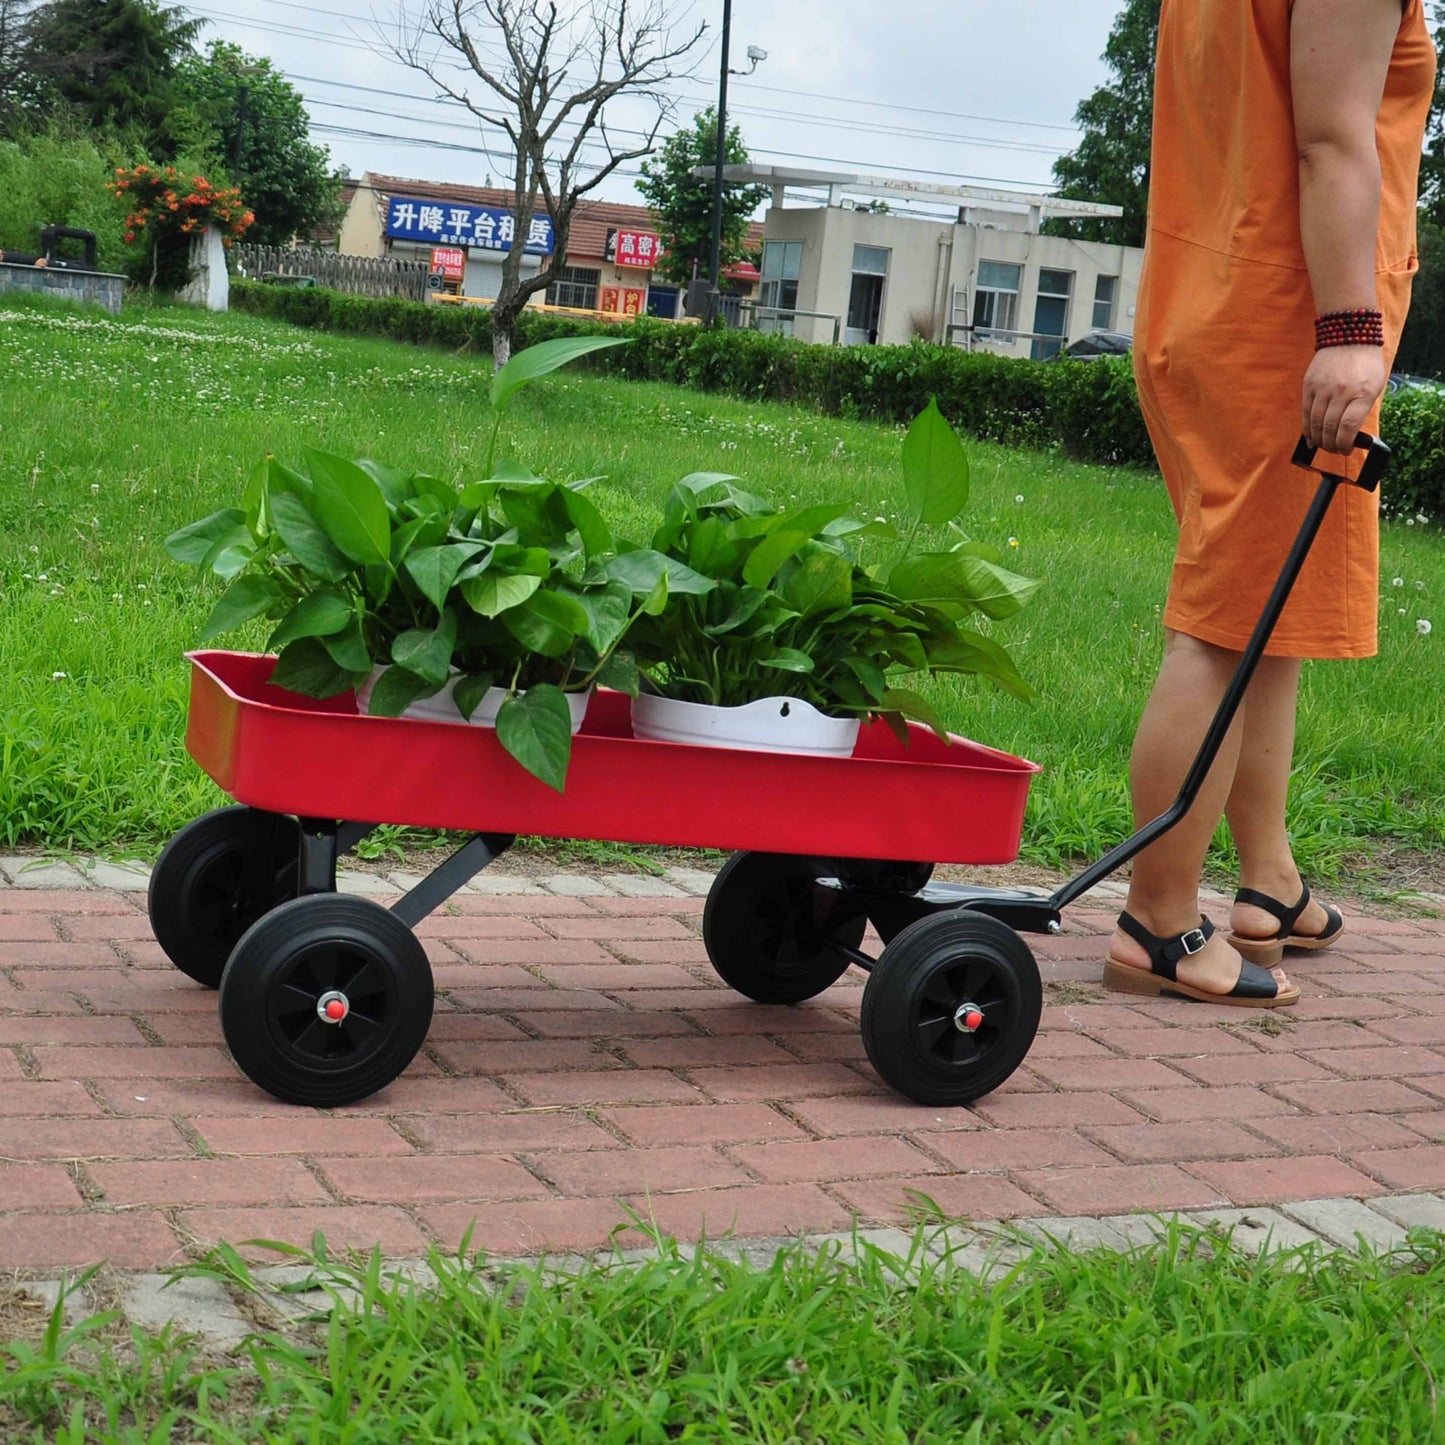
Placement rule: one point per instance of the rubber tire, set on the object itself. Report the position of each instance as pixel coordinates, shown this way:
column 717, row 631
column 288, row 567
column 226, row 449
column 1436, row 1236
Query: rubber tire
column 894, row 999
column 269, row 952
column 759, row 909
column 878, row 875
column 197, row 870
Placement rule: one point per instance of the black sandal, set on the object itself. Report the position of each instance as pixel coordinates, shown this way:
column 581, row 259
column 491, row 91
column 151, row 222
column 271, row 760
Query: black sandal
column 1268, row 951
column 1256, row 987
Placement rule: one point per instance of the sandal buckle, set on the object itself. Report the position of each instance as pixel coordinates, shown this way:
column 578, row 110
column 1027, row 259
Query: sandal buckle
column 1193, row 941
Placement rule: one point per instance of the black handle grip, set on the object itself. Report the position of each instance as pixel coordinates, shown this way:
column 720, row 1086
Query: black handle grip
column 1377, row 459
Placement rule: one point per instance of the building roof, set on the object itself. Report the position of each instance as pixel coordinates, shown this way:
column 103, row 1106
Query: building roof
column 1049, row 207
column 591, row 221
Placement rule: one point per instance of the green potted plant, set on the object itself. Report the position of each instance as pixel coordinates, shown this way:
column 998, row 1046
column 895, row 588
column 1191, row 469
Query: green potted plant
column 491, row 602
column 797, row 640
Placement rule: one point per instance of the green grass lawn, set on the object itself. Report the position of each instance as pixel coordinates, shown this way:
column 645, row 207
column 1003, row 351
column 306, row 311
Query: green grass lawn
column 1187, row 1341
column 113, row 434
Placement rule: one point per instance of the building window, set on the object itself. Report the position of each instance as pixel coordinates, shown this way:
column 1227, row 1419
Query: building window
column 575, row 286
column 1105, row 290
column 782, row 263
column 865, row 297
column 1051, row 313
column 996, row 300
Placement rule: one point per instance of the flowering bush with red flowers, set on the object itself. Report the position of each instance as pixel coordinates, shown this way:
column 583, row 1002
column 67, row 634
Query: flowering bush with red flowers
column 166, row 202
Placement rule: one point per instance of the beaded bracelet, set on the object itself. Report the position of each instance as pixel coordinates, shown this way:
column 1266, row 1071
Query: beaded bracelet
column 1350, row 328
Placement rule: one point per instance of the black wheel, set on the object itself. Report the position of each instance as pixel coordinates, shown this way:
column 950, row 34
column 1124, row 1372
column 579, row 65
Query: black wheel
column 951, row 1008
column 326, row 1000
column 208, row 888
column 878, row 875
column 768, row 927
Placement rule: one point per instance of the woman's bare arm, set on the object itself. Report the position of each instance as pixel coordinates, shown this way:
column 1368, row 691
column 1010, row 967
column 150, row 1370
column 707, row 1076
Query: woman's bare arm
column 1339, row 59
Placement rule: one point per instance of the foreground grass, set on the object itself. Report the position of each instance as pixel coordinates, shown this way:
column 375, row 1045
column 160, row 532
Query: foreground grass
column 113, row 435
column 1190, row 1340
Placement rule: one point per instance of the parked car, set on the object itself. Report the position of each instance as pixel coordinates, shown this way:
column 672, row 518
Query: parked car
column 1099, row 343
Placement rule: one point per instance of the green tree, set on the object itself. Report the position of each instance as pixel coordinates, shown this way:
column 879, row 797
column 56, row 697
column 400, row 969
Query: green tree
column 259, row 129
column 1111, row 163
column 683, row 203
column 114, row 62
column 20, row 97
column 1432, row 163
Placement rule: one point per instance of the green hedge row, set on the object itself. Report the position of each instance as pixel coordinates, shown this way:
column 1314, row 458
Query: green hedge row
column 1088, row 410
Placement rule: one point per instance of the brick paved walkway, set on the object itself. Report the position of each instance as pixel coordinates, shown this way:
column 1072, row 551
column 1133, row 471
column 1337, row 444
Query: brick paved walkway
column 583, row 1054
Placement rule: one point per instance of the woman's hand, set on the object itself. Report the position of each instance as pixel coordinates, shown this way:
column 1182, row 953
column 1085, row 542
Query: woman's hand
column 1342, row 386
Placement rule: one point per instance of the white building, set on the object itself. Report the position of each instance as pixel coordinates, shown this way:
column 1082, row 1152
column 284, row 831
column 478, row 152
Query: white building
column 858, row 259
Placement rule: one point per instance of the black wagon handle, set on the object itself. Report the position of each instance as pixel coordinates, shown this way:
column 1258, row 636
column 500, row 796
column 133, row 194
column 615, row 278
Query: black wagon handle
column 1376, row 460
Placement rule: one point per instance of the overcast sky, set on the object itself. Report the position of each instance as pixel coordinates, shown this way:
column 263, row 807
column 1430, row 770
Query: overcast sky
column 961, row 90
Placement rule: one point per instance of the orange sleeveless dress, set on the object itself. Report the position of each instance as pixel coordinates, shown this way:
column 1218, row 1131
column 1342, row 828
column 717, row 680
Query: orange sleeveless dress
column 1224, row 330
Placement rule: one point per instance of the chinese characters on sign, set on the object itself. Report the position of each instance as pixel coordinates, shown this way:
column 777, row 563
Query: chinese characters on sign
column 622, row 300
column 486, row 228
column 634, row 248
column 450, row 261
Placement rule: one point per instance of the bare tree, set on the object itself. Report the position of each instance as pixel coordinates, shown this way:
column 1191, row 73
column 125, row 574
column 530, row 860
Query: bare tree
column 556, row 71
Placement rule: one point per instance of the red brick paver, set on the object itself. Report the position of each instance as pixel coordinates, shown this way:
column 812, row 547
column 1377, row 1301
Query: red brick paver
column 585, row 1062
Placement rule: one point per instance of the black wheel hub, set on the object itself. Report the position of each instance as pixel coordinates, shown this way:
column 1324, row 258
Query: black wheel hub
column 795, row 922
column 329, row 1005
column 962, row 1010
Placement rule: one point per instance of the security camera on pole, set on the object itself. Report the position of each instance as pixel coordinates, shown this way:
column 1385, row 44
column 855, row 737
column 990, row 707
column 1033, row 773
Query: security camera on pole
column 755, row 56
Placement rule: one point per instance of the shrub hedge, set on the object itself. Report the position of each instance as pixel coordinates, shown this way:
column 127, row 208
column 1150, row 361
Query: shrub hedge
column 1089, row 410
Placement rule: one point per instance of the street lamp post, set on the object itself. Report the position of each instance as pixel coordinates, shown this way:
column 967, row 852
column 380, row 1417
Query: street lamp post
column 755, row 55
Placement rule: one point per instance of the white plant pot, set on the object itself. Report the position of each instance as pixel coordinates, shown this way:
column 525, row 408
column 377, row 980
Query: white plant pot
column 771, row 725
column 442, row 706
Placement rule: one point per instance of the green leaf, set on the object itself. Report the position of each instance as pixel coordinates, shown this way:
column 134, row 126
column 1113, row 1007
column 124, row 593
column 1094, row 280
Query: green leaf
column 428, row 651
column 348, row 648
column 253, row 498
column 536, row 361
column 641, row 569
column 536, row 728
column 244, row 599
column 655, row 603
column 493, row 593
column 711, row 549
column 194, row 544
column 318, row 615
column 789, row 659
column 869, row 674
column 538, row 512
column 395, row 691
column 958, row 577
column 435, row 569
column 230, row 556
column 744, row 607
column 700, row 481
column 435, row 489
column 607, row 612
column 549, row 623
column 596, row 535
column 306, row 667
column 820, row 582
column 281, row 478
column 469, row 692
column 620, row 673
column 304, row 539
column 787, row 536
column 351, row 507
column 396, row 486
column 910, row 704
column 935, row 469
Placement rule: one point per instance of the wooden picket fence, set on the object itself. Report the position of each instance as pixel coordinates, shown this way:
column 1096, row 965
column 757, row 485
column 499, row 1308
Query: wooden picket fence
column 360, row 275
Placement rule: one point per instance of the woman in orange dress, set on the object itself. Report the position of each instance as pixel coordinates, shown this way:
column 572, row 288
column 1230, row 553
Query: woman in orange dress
column 1281, row 247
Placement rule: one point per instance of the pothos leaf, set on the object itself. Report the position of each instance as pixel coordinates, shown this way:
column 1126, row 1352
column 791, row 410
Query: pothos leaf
column 536, row 729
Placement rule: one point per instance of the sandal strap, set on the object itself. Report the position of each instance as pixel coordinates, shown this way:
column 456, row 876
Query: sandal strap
column 1287, row 916
column 1165, row 952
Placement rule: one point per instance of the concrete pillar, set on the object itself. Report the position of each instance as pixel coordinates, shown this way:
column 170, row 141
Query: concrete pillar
column 209, row 285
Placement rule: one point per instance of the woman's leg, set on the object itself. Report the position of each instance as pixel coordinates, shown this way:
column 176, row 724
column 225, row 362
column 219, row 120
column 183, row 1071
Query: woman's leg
column 1256, row 804
column 1164, row 884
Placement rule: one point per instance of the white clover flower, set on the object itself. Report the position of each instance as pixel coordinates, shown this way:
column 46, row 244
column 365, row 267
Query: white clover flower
column 43, row 577
column 1400, row 611
column 1420, row 586
column 1019, row 498
column 1409, row 521
column 1397, row 582
column 1422, row 626
column 57, row 677
column 95, row 486
column 1421, row 518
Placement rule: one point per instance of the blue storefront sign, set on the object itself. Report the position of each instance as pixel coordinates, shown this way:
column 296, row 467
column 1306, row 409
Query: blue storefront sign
column 451, row 223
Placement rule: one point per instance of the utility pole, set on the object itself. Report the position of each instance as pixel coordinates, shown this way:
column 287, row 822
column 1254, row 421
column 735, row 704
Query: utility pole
column 714, row 298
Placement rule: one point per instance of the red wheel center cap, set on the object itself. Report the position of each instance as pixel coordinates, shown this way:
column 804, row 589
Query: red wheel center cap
column 333, row 1007
column 968, row 1018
